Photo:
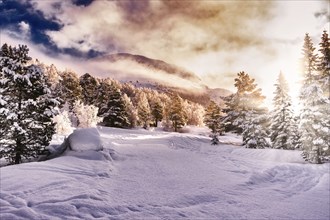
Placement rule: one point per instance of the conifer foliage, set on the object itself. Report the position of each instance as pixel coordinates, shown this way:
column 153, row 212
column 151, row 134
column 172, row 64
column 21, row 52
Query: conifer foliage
column 212, row 119
column 245, row 114
column 176, row 113
column 282, row 116
column 115, row 114
column 26, row 106
column 314, row 118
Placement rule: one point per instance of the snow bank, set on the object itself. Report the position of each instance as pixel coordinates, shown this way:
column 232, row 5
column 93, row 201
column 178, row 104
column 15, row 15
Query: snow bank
column 86, row 139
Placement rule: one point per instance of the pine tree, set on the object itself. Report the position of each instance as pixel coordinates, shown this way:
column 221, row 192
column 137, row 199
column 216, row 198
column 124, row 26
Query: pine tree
column 70, row 89
column 212, row 120
column 177, row 114
column 195, row 113
column 157, row 111
column 295, row 138
column 26, row 106
column 115, row 115
column 314, row 122
column 104, row 90
column 245, row 115
column 254, row 134
column 89, row 86
column 324, row 64
column 282, row 116
column 144, row 112
column 131, row 111
column 248, row 97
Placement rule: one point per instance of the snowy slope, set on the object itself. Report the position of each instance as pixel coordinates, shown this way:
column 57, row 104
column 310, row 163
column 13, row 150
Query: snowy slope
column 157, row 175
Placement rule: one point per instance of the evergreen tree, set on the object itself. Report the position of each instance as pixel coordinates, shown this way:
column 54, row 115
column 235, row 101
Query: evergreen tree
column 248, row 97
column 144, row 112
column 26, row 106
column 115, row 114
column 295, row 138
column 131, row 111
column 314, row 122
column 195, row 113
column 324, row 64
column 309, row 58
column 157, row 111
column 89, row 86
column 176, row 113
column 70, row 89
column 245, row 115
column 254, row 134
column 104, row 90
column 212, row 119
column 282, row 116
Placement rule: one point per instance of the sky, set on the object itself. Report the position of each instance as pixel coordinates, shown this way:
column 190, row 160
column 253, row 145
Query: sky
column 215, row 39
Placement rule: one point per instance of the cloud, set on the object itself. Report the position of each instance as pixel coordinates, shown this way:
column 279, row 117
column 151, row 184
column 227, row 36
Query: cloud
column 24, row 28
column 159, row 29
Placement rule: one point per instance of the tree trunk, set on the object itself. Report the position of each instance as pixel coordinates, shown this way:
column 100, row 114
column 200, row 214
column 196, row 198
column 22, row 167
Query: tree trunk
column 18, row 149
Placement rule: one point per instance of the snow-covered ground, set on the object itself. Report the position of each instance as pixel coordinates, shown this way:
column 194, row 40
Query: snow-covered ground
column 158, row 175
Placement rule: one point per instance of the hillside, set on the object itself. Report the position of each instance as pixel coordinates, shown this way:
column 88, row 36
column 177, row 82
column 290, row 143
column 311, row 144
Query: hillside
column 156, row 74
column 144, row 174
column 151, row 64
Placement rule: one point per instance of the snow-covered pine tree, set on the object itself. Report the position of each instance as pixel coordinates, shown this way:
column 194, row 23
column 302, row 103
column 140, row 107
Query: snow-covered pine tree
column 26, row 106
column 246, row 98
column 212, row 120
column 324, row 64
column 103, row 95
column 314, row 122
column 254, row 133
column 115, row 114
column 295, row 138
column 176, row 113
column 89, row 86
column 245, row 115
column 324, row 79
column 144, row 111
column 70, row 89
column 282, row 116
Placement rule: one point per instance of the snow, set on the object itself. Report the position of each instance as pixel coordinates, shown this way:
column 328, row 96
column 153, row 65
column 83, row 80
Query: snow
column 144, row 174
column 85, row 139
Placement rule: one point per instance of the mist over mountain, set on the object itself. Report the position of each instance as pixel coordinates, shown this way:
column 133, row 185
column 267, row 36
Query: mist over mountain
column 151, row 64
column 157, row 74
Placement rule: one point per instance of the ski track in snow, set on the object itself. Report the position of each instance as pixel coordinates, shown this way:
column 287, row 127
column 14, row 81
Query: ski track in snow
column 160, row 175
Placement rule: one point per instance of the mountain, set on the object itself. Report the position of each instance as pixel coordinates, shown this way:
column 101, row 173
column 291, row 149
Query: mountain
column 152, row 64
column 156, row 74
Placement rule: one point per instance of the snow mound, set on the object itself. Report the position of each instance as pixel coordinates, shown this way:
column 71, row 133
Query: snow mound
column 85, row 139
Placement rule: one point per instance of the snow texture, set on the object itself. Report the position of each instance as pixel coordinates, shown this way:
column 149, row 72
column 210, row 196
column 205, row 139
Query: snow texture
column 159, row 175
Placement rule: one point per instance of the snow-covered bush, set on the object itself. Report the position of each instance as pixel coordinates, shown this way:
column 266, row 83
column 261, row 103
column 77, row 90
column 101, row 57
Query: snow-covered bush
column 86, row 115
column 63, row 124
